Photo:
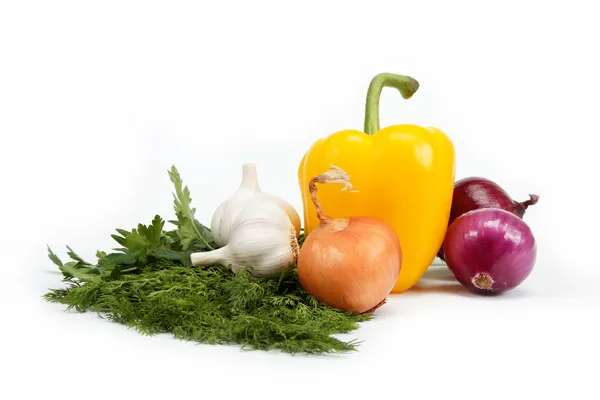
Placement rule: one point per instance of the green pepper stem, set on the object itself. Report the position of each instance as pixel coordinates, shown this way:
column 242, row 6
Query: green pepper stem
column 405, row 84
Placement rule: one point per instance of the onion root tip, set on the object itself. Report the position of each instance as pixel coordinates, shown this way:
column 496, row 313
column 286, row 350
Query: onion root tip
column 483, row 281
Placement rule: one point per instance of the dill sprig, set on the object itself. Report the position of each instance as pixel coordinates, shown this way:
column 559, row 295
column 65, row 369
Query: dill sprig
column 148, row 284
column 215, row 306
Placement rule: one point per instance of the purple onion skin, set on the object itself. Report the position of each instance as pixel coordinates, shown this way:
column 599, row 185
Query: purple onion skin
column 474, row 193
column 490, row 251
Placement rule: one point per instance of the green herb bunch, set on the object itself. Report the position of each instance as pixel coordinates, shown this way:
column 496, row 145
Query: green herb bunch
column 149, row 284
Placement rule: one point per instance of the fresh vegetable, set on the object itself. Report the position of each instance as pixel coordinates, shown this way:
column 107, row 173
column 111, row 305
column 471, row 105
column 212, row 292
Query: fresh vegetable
column 474, row 193
column 406, row 175
column 215, row 306
column 145, row 244
column 349, row 263
column 490, row 250
column 263, row 284
column 249, row 189
column 253, row 230
column 147, row 284
column 262, row 238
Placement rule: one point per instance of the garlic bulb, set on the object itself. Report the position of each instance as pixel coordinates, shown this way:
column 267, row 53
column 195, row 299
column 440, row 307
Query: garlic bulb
column 226, row 213
column 289, row 210
column 262, row 239
column 228, row 210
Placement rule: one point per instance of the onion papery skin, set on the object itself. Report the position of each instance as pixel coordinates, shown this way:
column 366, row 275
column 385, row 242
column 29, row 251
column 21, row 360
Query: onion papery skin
column 474, row 193
column 490, row 251
column 351, row 264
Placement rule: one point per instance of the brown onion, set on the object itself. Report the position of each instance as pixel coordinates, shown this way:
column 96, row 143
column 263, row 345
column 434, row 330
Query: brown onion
column 475, row 193
column 350, row 263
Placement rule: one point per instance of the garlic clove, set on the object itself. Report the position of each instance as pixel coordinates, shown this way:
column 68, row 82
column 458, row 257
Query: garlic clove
column 225, row 215
column 249, row 189
column 263, row 239
column 227, row 211
column 289, row 210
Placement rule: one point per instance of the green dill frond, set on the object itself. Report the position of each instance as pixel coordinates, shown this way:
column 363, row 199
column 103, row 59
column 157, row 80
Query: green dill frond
column 148, row 284
column 215, row 306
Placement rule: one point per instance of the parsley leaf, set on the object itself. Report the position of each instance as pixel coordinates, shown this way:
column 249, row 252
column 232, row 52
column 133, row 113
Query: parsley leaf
column 144, row 239
column 189, row 230
column 76, row 269
column 145, row 244
column 147, row 283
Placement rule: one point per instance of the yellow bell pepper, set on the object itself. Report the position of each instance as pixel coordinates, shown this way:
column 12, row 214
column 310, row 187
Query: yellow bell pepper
column 404, row 175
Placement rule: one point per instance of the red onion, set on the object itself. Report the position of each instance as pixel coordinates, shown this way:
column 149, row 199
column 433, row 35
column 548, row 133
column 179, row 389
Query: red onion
column 490, row 250
column 474, row 193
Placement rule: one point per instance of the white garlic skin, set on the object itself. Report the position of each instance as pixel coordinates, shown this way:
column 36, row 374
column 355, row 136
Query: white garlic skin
column 249, row 189
column 263, row 239
column 290, row 211
column 225, row 214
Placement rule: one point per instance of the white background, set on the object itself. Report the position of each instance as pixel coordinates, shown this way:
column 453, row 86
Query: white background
column 99, row 99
